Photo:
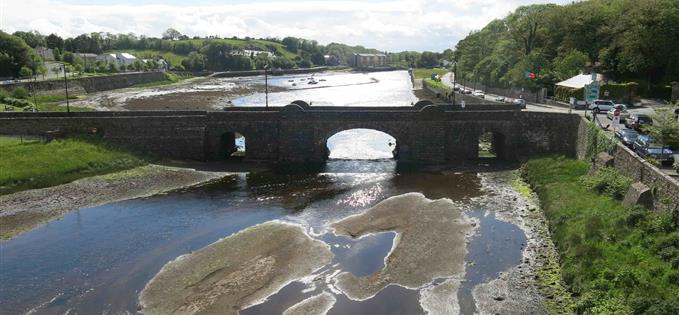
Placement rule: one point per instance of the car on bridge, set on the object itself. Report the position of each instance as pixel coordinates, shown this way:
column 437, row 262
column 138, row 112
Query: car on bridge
column 479, row 93
column 646, row 147
column 601, row 105
column 636, row 121
column 627, row 136
column 624, row 114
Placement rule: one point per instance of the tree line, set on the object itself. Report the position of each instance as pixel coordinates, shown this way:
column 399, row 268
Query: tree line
column 627, row 40
column 196, row 53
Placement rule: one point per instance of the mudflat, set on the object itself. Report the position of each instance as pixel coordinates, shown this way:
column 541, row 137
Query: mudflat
column 430, row 243
column 235, row 272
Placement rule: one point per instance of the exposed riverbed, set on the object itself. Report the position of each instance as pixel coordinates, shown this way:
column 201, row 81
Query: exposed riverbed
column 100, row 259
column 329, row 88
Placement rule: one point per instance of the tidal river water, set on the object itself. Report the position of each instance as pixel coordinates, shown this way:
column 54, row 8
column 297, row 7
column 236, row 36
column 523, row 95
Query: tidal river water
column 399, row 240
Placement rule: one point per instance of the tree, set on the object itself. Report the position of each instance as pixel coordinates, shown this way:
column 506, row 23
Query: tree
column 32, row 39
column 171, row 34
column 42, row 70
column 14, row 54
column 665, row 129
column 25, row 72
column 428, row 60
column 54, row 42
column 291, row 43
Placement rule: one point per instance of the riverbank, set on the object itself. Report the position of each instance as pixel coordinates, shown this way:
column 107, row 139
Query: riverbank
column 25, row 210
column 614, row 260
column 30, row 164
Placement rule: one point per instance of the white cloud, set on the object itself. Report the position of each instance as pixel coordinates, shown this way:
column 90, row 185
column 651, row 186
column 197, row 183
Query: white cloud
column 386, row 25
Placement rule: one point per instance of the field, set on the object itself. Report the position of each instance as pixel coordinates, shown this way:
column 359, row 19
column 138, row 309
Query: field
column 31, row 164
column 614, row 260
column 423, row 73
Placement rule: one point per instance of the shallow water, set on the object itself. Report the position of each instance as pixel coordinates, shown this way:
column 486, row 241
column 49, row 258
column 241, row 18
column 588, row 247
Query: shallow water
column 98, row 259
column 392, row 88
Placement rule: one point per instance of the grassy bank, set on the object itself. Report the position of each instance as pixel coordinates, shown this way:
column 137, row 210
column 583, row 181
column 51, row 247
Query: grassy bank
column 35, row 164
column 423, row 73
column 614, row 260
column 170, row 78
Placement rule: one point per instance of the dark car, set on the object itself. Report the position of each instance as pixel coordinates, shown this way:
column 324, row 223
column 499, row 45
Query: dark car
column 645, row 147
column 627, row 136
column 635, row 121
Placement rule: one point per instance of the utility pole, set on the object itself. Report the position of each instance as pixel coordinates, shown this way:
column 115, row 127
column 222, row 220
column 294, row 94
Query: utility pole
column 454, row 78
column 266, row 85
column 68, row 108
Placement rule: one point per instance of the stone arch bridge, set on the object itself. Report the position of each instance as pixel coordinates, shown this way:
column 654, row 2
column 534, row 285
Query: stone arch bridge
column 425, row 133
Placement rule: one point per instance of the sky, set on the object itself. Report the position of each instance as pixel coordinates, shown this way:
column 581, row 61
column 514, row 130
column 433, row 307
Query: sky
column 389, row 25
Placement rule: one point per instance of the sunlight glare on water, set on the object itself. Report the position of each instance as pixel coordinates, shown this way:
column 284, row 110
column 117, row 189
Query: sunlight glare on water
column 361, row 144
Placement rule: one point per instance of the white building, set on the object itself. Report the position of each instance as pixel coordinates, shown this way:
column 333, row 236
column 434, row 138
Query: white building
column 118, row 59
column 252, row 53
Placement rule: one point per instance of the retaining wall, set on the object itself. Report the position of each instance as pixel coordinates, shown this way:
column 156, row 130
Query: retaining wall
column 665, row 188
column 92, row 84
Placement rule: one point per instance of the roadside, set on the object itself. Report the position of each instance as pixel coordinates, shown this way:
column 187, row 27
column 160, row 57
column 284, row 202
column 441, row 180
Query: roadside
column 25, row 210
column 615, row 260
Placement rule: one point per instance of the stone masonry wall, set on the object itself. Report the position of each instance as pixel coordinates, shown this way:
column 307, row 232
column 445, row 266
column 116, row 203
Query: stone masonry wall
column 93, row 84
column 665, row 189
column 292, row 134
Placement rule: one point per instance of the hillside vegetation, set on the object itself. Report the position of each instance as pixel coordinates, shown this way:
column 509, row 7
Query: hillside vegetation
column 31, row 164
column 614, row 260
column 628, row 40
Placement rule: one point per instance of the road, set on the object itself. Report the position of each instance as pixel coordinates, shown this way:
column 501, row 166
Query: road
column 447, row 80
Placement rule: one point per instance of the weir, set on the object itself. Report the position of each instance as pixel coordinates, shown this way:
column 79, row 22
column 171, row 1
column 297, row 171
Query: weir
column 425, row 133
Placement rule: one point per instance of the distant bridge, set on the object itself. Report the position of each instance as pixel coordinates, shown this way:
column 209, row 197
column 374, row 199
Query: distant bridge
column 425, row 133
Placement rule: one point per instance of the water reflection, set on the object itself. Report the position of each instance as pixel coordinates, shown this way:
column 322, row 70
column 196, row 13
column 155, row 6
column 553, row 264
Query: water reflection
column 362, row 144
column 339, row 89
column 97, row 260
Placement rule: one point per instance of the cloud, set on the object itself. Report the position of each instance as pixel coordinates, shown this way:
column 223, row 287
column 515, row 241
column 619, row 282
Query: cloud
column 387, row 25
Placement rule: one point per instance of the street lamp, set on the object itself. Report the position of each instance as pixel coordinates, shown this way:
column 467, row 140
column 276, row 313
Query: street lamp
column 266, row 85
column 68, row 108
column 454, row 78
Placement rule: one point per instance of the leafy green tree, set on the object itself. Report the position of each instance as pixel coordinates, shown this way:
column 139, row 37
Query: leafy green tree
column 25, row 72
column 195, row 61
column 665, row 129
column 42, row 70
column 171, row 34
column 569, row 64
column 32, row 39
column 53, row 41
column 291, row 43
column 14, row 54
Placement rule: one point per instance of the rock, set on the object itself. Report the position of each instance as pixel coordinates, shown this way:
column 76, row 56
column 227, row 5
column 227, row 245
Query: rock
column 638, row 194
column 603, row 159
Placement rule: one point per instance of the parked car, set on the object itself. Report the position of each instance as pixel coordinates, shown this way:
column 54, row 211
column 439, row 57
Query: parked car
column 627, row 136
column 467, row 91
column 645, row 147
column 601, row 105
column 624, row 114
column 479, row 93
column 499, row 98
column 635, row 121
column 519, row 101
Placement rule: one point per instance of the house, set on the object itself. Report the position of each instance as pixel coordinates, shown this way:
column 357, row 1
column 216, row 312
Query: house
column 118, row 59
column 579, row 81
column 251, row 53
column 88, row 59
column 45, row 53
column 368, row 60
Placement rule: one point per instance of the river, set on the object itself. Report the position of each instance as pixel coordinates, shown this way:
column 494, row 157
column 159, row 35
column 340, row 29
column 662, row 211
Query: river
column 98, row 260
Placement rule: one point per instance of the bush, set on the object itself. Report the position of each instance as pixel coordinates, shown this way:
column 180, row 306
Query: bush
column 598, row 141
column 623, row 92
column 564, row 94
column 607, row 181
column 20, row 92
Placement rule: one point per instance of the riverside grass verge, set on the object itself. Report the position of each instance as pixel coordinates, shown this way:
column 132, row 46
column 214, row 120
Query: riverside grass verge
column 423, row 73
column 614, row 260
column 29, row 164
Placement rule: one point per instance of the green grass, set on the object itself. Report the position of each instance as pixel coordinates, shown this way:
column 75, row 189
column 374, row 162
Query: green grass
column 615, row 260
column 422, row 73
column 32, row 164
column 172, row 58
column 170, row 78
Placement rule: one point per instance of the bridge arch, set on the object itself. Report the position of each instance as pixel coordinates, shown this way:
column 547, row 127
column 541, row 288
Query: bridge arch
column 399, row 146
column 494, row 143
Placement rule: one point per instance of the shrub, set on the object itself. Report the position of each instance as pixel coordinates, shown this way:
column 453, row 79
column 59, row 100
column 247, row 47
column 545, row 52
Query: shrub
column 20, row 92
column 598, row 141
column 607, row 181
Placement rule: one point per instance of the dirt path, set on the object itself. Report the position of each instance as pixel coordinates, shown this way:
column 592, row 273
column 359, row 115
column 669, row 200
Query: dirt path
column 25, row 210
